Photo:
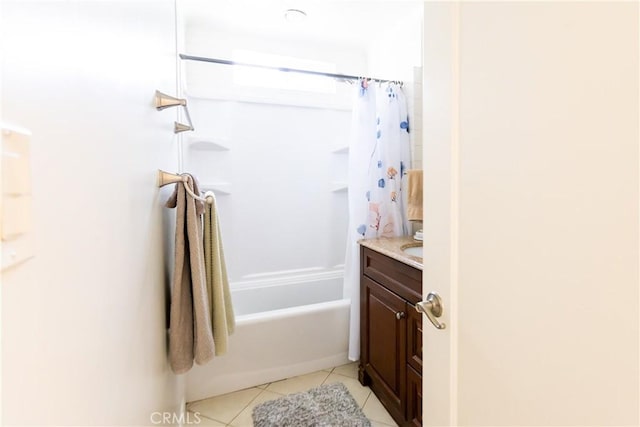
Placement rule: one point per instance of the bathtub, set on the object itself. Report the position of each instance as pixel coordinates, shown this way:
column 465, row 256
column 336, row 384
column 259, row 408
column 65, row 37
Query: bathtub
column 282, row 330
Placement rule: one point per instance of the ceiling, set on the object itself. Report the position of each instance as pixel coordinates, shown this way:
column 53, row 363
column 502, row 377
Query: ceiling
column 333, row 21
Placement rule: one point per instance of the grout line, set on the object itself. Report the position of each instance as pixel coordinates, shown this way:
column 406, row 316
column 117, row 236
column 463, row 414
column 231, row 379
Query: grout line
column 346, row 376
column 246, row 406
column 367, row 399
column 327, row 377
column 219, row 395
column 201, row 415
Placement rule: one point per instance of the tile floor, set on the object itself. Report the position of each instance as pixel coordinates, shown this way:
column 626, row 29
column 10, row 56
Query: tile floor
column 234, row 409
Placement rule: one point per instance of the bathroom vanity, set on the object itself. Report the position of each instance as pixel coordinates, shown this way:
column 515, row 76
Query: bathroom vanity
column 390, row 326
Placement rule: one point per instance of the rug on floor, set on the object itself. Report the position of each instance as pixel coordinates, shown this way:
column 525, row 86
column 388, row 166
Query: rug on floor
column 330, row 405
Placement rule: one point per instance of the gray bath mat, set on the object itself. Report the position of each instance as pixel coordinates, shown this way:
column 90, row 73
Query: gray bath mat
column 329, row 405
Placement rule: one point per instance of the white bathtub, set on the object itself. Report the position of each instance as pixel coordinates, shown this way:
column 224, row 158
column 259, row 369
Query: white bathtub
column 282, row 330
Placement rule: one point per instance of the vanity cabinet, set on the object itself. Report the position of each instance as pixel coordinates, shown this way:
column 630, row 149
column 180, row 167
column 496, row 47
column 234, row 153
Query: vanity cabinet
column 391, row 335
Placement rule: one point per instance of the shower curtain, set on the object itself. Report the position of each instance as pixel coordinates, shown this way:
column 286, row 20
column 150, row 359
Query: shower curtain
column 379, row 155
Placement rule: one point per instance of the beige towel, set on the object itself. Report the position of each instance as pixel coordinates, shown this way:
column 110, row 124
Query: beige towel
column 414, row 195
column 222, row 317
column 190, row 335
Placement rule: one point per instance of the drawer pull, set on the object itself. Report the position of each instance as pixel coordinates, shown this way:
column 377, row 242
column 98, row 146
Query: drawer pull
column 400, row 315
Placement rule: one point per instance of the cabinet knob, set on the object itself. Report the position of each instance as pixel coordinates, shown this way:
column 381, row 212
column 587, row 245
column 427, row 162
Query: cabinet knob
column 400, row 315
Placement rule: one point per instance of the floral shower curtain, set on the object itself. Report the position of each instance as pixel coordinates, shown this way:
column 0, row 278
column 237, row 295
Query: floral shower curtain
column 379, row 155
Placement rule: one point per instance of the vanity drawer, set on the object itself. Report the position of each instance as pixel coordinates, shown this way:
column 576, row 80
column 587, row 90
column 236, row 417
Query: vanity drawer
column 400, row 278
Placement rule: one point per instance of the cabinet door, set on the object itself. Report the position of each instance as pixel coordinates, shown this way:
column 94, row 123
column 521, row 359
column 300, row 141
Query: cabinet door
column 384, row 345
column 414, row 397
column 414, row 338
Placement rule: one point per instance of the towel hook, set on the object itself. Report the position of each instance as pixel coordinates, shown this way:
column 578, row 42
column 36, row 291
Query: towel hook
column 165, row 101
column 166, row 178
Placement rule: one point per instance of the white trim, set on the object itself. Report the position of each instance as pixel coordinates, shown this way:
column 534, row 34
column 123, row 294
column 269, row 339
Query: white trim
column 638, row 183
column 455, row 213
column 286, row 278
column 282, row 313
column 179, row 32
column 297, row 271
column 181, row 392
column 229, row 382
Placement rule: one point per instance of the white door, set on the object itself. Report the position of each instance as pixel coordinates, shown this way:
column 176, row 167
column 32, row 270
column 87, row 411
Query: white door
column 531, row 213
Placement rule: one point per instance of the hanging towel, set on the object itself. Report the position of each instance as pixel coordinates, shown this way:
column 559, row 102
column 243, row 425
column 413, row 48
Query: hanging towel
column 414, row 195
column 222, row 317
column 190, row 334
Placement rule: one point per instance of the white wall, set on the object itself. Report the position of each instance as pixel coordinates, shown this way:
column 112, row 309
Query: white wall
column 395, row 53
column 396, row 47
column 83, row 323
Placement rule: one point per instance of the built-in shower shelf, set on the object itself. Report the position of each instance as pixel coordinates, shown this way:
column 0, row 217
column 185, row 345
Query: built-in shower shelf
column 339, row 187
column 222, row 188
column 209, row 144
column 341, row 150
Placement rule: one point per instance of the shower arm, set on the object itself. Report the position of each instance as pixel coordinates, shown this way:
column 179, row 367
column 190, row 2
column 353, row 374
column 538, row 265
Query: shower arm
column 165, row 101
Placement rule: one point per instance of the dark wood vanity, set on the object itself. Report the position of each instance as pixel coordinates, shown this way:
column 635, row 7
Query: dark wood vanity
column 391, row 331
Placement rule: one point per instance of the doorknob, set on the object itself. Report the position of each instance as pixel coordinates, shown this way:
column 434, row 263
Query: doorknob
column 432, row 307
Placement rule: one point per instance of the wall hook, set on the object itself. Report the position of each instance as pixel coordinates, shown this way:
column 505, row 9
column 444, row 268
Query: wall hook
column 163, row 101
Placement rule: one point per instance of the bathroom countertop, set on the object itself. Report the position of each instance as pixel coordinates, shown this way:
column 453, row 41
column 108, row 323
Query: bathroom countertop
column 392, row 247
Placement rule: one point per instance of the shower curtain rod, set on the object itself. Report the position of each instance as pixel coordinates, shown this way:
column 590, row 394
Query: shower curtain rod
column 283, row 69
